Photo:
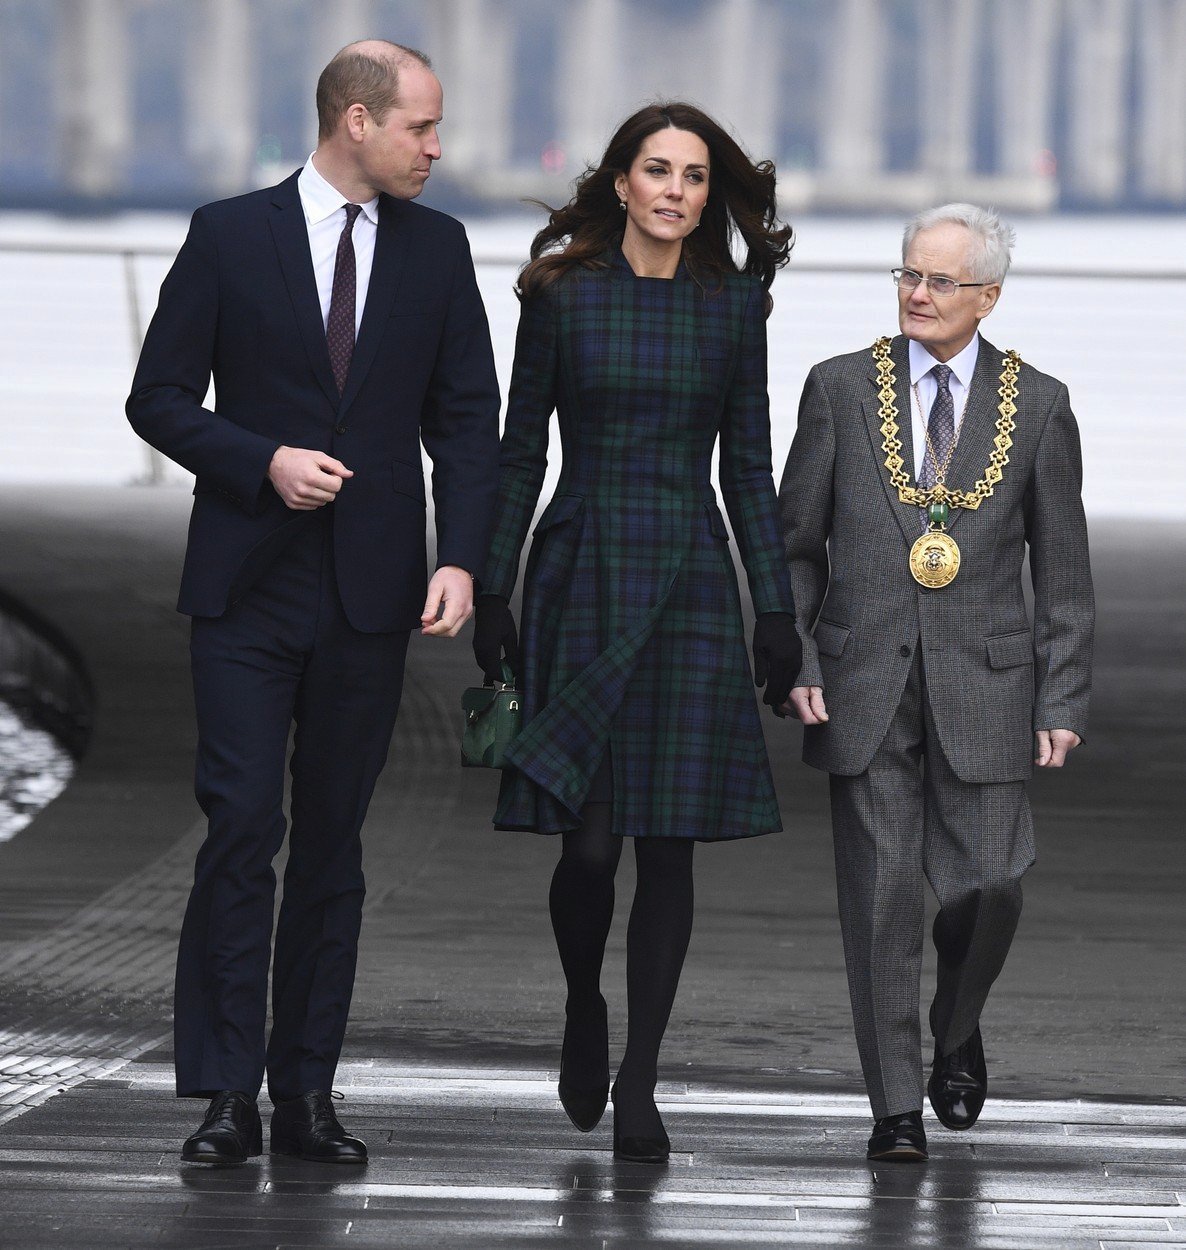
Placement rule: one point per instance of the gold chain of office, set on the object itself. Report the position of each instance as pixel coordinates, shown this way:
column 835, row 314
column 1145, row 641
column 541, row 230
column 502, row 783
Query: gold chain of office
column 892, row 444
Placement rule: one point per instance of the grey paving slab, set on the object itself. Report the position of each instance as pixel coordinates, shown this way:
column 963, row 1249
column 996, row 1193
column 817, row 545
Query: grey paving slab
column 450, row 1064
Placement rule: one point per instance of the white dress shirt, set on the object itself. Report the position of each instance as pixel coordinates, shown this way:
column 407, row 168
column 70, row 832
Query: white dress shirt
column 962, row 367
column 325, row 216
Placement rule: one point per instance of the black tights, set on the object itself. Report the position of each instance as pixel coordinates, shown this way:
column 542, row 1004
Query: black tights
column 582, row 906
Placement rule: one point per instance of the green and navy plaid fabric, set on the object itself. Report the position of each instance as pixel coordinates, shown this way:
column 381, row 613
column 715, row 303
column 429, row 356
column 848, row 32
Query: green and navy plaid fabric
column 632, row 632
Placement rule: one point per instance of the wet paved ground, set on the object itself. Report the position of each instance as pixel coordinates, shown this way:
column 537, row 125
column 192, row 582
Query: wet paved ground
column 450, row 1064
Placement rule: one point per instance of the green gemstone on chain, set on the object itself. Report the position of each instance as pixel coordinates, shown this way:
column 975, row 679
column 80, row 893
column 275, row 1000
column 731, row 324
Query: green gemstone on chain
column 937, row 513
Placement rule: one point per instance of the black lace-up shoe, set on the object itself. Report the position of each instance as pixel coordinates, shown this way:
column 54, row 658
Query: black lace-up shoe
column 308, row 1128
column 959, row 1083
column 230, row 1134
column 899, row 1138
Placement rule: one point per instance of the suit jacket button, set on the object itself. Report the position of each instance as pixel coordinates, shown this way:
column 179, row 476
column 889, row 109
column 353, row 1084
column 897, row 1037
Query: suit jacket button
column 339, row 429
column 903, row 650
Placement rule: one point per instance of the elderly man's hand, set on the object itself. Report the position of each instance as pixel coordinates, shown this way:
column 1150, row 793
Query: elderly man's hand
column 449, row 603
column 807, row 703
column 1052, row 745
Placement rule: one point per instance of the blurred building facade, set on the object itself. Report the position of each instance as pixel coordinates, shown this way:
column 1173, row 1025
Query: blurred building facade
column 864, row 104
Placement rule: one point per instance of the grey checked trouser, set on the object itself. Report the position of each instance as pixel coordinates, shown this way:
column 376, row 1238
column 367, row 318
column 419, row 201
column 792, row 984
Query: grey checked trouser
column 909, row 816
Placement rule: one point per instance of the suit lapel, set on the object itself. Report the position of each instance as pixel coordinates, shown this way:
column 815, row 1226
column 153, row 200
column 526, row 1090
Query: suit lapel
column 907, row 517
column 978, row 427
column 291, row 237
column 391, row 249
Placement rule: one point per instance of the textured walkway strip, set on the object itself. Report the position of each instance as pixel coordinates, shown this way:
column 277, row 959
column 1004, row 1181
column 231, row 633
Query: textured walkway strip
column 82, row 1001
column 79, row 1002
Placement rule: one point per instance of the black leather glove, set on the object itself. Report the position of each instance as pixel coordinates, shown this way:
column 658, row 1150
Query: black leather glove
column 495, row 636
column 778, row 657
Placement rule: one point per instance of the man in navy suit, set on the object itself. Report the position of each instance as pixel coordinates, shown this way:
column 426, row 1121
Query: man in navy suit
column 342, row 325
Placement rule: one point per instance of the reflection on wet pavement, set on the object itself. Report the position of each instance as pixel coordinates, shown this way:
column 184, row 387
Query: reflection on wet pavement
column 483, row 1157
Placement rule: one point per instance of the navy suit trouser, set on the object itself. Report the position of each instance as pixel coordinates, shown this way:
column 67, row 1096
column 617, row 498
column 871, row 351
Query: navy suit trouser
column 284, row 654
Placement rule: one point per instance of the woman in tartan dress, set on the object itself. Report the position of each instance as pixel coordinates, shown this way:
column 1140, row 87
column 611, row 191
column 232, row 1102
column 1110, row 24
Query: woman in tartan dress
column 649, row 342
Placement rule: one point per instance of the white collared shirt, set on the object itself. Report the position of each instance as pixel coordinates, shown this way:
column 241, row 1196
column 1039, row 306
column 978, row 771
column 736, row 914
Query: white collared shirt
column 325, row 215
column 962, row 366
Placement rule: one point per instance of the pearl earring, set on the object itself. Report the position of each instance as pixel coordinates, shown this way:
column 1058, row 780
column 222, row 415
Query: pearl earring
column 622, row 205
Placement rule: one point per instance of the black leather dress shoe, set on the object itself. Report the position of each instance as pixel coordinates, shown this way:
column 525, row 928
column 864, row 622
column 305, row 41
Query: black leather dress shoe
column 639, row 1149
column 308, row 1128
column 230, row 1134
column 959, row 1083
column 899, row 1138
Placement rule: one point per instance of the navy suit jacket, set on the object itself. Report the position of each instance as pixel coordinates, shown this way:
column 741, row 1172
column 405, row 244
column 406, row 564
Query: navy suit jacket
column 240, row 303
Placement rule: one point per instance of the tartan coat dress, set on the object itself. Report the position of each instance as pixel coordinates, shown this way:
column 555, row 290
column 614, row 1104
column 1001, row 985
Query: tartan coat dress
column 632, row 637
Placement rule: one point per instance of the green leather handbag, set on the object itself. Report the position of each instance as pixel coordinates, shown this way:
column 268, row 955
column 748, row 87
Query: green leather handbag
column 493, row 716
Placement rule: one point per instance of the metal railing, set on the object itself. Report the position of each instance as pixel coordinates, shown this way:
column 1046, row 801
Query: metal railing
column 502, row 261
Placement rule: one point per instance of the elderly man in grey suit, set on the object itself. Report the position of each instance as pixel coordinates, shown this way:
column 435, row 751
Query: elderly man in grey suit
column 922, row 469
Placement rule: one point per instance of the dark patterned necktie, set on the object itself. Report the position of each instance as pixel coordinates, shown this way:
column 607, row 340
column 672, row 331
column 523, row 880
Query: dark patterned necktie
column 941, row 431
column 339, row 328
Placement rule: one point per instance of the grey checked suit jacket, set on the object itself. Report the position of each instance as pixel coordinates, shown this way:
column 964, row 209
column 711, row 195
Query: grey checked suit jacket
column 992, row 676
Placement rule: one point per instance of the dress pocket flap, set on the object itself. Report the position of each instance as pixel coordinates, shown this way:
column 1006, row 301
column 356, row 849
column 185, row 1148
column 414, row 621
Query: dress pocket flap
column 408, row 479
column 562, row 508
column 830, row 638
column 1010, row 650
column 716, row 522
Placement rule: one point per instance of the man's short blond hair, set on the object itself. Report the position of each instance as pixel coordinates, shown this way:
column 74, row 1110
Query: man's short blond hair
column 365, row 73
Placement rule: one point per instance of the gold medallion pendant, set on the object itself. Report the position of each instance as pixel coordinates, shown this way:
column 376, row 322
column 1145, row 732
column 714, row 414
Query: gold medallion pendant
column 934, row 559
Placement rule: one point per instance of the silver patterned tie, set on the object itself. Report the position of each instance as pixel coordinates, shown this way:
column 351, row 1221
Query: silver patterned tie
column 941, row 432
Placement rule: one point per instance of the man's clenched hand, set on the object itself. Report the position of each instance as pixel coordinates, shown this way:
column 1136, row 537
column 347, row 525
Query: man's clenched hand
column 305, row 479
column 807, row 703
column 1052, row 746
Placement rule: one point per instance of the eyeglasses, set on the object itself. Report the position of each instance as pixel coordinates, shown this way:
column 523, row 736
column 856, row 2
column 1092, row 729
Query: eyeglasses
column 907, row 280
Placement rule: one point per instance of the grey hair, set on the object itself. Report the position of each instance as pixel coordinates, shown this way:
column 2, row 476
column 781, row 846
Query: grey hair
column 993, row 239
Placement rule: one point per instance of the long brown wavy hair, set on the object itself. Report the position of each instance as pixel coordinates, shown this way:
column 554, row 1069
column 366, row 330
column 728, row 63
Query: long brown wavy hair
column 741, row 201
